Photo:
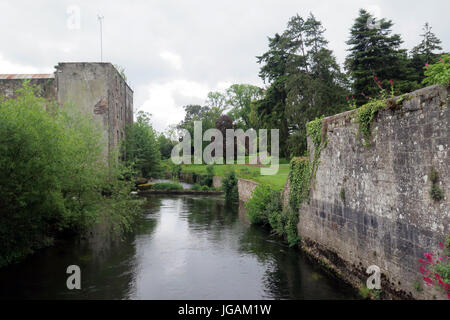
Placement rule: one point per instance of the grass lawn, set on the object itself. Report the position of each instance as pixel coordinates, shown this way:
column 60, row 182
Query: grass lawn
column 245, row 172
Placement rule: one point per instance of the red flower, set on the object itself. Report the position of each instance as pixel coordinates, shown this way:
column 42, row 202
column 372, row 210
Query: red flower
column 391, row 82
column 376, row 78
column 428, row 281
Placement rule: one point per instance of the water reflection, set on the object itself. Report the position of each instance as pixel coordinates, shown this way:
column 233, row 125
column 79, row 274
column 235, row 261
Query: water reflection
column 187, row 247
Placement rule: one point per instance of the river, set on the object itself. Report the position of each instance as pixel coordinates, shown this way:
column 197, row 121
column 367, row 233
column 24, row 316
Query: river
column 186, row 247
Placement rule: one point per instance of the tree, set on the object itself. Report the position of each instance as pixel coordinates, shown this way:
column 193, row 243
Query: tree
column 315, row 85
column 239, row 98
column 165, row 146
column 207, row 115
column 222, row 124
column 141, row 148
column 53, row 176
column 425, row 52
column 375, row 52
column 216, row 99
column 429, row 44
column 305, row 82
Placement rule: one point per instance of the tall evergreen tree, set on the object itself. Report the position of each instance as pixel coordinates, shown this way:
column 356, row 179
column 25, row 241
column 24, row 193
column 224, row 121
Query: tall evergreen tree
column 425, row 52
column 376, row 52
column 429, row 44
column 305, row 82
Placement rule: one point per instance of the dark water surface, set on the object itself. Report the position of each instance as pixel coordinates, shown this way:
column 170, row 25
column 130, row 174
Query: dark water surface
column 188, row 247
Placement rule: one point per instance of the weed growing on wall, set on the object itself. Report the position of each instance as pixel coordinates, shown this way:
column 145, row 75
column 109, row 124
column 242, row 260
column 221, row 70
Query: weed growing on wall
column 438, row 73
column 435, row 192
column 365, row 116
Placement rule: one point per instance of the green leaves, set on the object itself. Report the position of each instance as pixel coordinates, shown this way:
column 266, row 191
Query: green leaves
column 229, row 186
column 365, row 116
column 375, row 51
column 141, row 148
column 438, row 73
column 53, row 175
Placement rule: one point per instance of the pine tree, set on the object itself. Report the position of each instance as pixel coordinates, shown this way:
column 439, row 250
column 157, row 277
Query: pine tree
column 429, row 44
column 305, row 82
column 375, row 52
column 424, row 52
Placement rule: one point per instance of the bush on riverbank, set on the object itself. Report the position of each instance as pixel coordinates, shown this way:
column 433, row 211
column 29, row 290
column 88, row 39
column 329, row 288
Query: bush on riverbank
column 265, row 208
column 53, row 176
column 167, row 186
column 229, row 186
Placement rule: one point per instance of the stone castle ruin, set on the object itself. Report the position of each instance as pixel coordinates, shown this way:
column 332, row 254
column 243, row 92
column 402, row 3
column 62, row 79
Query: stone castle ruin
column 97, row 89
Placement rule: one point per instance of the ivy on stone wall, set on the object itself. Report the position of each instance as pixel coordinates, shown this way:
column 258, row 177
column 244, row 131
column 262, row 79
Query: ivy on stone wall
column 365, row 116
column 299, row 181
column 315, row 130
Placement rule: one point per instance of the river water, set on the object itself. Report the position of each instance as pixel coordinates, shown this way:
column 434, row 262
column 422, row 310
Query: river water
column 187, row 247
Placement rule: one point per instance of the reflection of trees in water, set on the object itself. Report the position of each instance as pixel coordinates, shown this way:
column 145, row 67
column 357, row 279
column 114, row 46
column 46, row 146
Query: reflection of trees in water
column 108, row 267
column 282, row 278
column 210, row 213
column 288, row 274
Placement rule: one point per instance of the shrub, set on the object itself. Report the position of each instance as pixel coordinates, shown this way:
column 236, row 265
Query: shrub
column 438, row 73
column 258, row 203
column 207, row 179
column 196, row 187
column 229, row 186
column 167, row 186
column 205, row 188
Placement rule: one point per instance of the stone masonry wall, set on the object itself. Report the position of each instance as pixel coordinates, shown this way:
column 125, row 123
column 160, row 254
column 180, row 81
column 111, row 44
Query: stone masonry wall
column 99, row 90
column 46, row 87
column 371, row 205
column 245, row 189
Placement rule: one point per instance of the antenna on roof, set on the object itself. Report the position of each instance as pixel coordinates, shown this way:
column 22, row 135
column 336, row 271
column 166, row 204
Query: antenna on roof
column 100, row 20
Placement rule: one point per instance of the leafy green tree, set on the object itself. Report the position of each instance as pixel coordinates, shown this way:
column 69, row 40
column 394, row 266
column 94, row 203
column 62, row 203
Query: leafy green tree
column 239, row 98
column 376, row 52
column 141, row 148
column 53, row 176
column 222, row 124
column 207, row 115
column 165, row 146
column 216, row 99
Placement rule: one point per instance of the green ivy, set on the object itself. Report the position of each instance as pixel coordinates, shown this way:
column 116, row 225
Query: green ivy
column 314, row 130
column 299, row 181
column 365, row 116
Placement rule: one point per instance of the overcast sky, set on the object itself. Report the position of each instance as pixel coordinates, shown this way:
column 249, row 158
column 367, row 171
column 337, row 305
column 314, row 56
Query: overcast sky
column 175, row 52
